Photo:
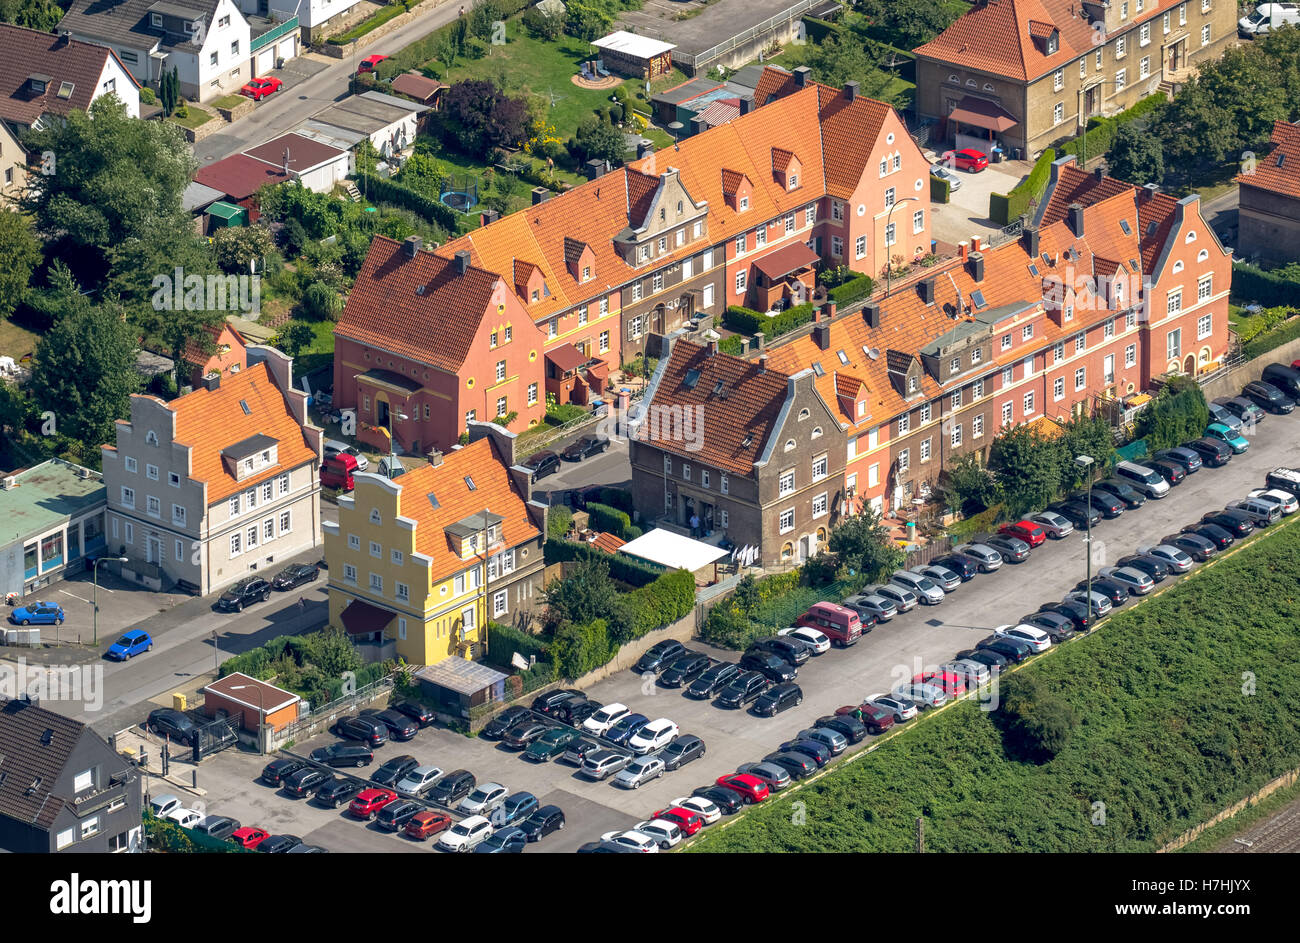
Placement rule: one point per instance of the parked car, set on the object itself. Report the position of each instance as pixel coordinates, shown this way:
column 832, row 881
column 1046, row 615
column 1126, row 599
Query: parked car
column 344, row 754
column 1285, row 378
column 1113, row 590
column 1142, row 478
column 336, row 471
column 394, row 769
column 575, row 710
column 777, row 698
column 842, row 625
column 416, row 711
column 484, row 799
column 984, row 656
column 1244, row 408
column 833, row 740
column 1220, row 413
column 1080, row 515
column 689, row 822
column 1195, row 546
column 369, row 801
column 453, row 787
column 1219, row 536
column 41, row 613
column 967, row 159
column 551, row 744
column 685, row 669
column 249, row 836
column 951, row 683
column 1137, row 582
column 900, row 596
column 1288, row 479
column 220, row 827
column 681, row 751
column 524, row 733
column 708, row 810
column 400, row 727
column 1238, row 443
column 185, row 818
column 903, row 708
column 578, row 750
column 817, row 642
column 1076, row 612
column 465, row 834
column 1173, row 557
column 335, row 447
column 712, row 680
column 633, row 840
column 989, row 559
column 742, row 689
column 1012, row 649
column 974, row 672
column 777, row 776
column 274, row 772
column 944, row 577
column 515, row 808
column 295, row 575
column 773, row 667
column 544, row 821
column 368, row 64
column 427, row 823
column 1190, row 459
column 586, row 445
column 790, row 650
column 652, row 736
column 259, row 88
column 728, row 801
column 602, row 763
column 1110, row 505
column 871, row 606
column 1100, row 602
column 639, row 771
column 303, row 782
column 338, row 791
column 922, row 694
column 1261, row 513
column 131, row 642
column 364, row 727
column 1268, row 397
column 943, row 173
column 1213, row 452
column 624, row 730
column 795, row 765
column 548, row 702
column 509, row 840
column 1131, row 497
column 496, row 728
column 1171, row 472
column 395, row 815
column 926, row 589
column 419, row 781
column 856, row 721
column 750, row 788
column 659, row 656
column 1025, row 530
column 1053, row 524
column 278, row 844
column 168, row 722
column 1285, row 502
column 1012, row 549
column 963, row 565
column 1233, row 521
column 247, row 591
column 541, row 464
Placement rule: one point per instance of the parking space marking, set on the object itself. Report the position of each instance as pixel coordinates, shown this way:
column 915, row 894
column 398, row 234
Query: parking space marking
column 74, row 595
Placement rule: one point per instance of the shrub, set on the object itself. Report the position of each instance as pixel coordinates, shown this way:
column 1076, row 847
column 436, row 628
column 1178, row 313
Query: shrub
column 610, row 520
column 940, row 190
column 320, row 302
column 853, row 290
column 623, row 568
column 1269, row 340
column 619, row 498
column 582, row 648
column 1004, row 209
column 558, row 521
column 1101, row 131
column 561, row 413
column 747, row 321
column 504, row 640
column 1177, row 414
column 1251, row 284
column 732, row 344
column 653, row 606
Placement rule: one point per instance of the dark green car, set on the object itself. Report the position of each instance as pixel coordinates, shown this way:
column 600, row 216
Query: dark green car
column 551, row 744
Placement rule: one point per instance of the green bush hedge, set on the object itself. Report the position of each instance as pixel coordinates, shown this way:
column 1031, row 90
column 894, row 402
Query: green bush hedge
column 748, row 321
column 1269, row 340
column 583, row 648
column 623, row 568
column 940, row 190
column 661, row 603
column 855, row 289
column 385, row 190
column 1251, row 284
column 732, row 344
column 504, row 640
column 1004, row 209
column 1101, row 131
column 611, row 520
column 619, row 498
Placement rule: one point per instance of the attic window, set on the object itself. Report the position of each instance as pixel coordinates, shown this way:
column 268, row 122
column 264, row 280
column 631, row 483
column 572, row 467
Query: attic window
column 748, row 441
column 717, row 388
column 433, row 500
column 65, row 89
column 692, row 377
column 243, row 404
column 47, row 737
column 789, row 445
column 38, row 83
column 844, row 358
column 817, row 368
column 1133, row 263
column 1151, row 228
column 469, row 483
column 1280, row 158
column 977, row 299
column 1123, row 224
column 1047, row 259
column 1033, row 269
column 1051, row 44
column 155, row 19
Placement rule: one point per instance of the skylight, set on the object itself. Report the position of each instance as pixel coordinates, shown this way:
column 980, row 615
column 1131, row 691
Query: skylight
column 65, row 89
column 692, row 377
column 844, row 358
column 817, row 368
column 1123, row 224
column 1033, row 269
column 433, row 500
column 469, row 483
column 1151, row 228
column 717, row 388
column 1046, row 259
column 977, row 299
column 243, row 404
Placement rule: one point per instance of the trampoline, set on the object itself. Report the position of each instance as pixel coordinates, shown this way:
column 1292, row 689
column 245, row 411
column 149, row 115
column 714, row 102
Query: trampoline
column 460, row 194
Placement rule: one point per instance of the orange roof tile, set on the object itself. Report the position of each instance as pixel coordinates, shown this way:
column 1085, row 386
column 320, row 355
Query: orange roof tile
column 211, row 420
column 774, row 83
column 1279, row 170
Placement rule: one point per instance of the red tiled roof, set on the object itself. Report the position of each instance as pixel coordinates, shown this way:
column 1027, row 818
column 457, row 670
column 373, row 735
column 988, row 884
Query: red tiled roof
column 607, row 542
column 774, row 83
column 719, row 112
column 566, row 358
column 239, row 176
column 194, row 352
column 1279, row 170
column 31, row 52
column 787, row 259
column 731, row 180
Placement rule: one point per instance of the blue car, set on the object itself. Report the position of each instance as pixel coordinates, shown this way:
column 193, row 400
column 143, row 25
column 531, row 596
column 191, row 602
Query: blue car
column 517, row 807
column 624, row 730
column 134, row 642
column 41, row 613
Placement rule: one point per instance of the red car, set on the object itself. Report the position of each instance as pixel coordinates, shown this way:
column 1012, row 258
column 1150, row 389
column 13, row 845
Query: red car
column 966, row 159
column 257, row 89
column 249, row 837
column 424, row 824
column 751, row 788
column 689, row 822
column 954, row 685
column 368, row 64
column 1027, row 531
column 370, row 801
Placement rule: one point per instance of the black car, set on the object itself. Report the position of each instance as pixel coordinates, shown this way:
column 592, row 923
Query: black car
column 1058, row 627
column 798, row 765
column 547, row 819
column 587, row 445
column 1131, row 497
column 295, row 575
column 742, row 689
column 1171, row 472
column 1105, row 502
column 1214, row 452
column 1268, row 397
column 1244, row 409
column 363, row 727
column 965, row 567
column 681, row 751
column 1013, row 549
column 453, row 787
column 986, row 656
column 339, row 792
column 1187, row 457
column 820, row 752
column 274, row 772
column 400, row 726
column 344, row 754
column 395, row 815
column 523, row 733
column 573, row 711
column 416, row 711
column 1195, row 546
column 1221, row 537
column 542, row 464
column 791, row 650
column 773, row 667
column 172, row 723
column 727, row 800
column 1234, row 522
column 1076, row 612
column 546, row 703
column 393, row 770
column 1113, row 590
column 220, row 827
column 777, row 698
column 1077, row 513
column 1284, row 479
column 278, row 844
column 1153, row 567
column 1013, row 649
column 713, row 678
column 685, row 669
column 498, row 725
column 850, row 728
column 504, row 841
column 244, row 593
column 659, row 656
column 304, row 782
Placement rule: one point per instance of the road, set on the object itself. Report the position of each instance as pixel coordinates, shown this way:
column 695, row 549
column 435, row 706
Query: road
column 303, row 95
column 1221, row 214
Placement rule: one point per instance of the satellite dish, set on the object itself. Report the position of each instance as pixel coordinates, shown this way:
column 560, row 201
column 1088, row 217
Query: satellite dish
column 874, row 353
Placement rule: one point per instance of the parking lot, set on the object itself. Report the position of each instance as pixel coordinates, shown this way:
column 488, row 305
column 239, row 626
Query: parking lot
column 924, row 637
column 967, row 212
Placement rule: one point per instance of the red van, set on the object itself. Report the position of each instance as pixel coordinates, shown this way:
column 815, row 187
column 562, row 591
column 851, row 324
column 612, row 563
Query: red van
column 842, row 626
column 336, row 471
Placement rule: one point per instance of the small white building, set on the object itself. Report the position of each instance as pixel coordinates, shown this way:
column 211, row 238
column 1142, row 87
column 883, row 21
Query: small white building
column 317, row 164
column 389, row 122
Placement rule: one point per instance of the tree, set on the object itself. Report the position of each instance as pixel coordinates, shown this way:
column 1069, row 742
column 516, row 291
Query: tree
column 907, row 23
column 234, row 247
column 967, row 485
column 1085, row 435
column 864, row 546
column 597, row 139
column 1178, row 413
column 479, row 116
column 838, row 59
column 295, row 337
column 1035, row 723
column 1136, row 155
column 548, row 26
column 21, row 253
column 320, row 302
column 40, row 15
column 585, row 593
column 587, row 19
column 1027, row 467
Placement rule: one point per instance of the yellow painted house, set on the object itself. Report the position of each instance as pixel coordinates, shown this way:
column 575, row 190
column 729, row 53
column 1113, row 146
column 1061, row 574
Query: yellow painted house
column 425, row 560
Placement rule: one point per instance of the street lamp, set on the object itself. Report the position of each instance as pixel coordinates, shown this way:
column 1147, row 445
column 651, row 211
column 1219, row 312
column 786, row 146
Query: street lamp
column 95, row 578
column 889, row 267
column 392, row 442
column 1084, row 462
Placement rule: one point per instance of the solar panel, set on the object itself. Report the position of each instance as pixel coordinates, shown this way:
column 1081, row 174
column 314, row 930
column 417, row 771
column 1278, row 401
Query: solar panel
column 977, row 299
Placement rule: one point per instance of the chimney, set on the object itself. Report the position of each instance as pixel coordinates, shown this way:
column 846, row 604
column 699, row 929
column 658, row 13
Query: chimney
column 760, row 339
column 411, row 246
column 801, row 76
column 963, row 249
column 1030, row 239
column 871, row 313
column 462, row 261
column 1098, row 174
column 822, row 335
column 65, row 39
column 926, row 288
column 850, row 91
column 212, row 382
column 489, row 216
column 698, row 125
column 1076, row 219
column 974, row 243
column 593, row 168
column 762, row 363
column 1149, row 190
column 643, row 148
column 713, row 348
column 976, row 264
column 435, row 458
column 540, row 195
column 746, row 104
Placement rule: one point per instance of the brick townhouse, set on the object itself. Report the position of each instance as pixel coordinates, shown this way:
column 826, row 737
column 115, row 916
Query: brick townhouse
column 1109, row 286
column 1268, row 217
column 1029, row 73
column 550, row 299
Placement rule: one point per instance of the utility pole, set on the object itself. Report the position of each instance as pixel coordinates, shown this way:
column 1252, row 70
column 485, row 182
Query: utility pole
column 920, row 835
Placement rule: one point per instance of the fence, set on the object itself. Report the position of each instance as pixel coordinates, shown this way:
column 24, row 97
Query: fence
column 1282, row 782
column 535, row 445
column 325, row 715
column 1006, row 233
column 690, row 62
column 920, row 556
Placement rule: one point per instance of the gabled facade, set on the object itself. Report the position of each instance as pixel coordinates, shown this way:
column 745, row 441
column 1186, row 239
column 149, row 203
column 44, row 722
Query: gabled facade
column 430, row 557
column 217, row 484
column 13, row 167
column 228, row 356
column 1268, row 214
column 44, row 77
column 1028, row 73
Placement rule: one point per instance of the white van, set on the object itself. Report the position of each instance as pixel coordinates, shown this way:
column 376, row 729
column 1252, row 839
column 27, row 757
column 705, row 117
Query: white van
column 1269, row 16
column 1142, row 478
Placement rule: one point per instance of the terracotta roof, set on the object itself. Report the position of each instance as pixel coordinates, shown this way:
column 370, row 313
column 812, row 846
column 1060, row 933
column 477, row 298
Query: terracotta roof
column 640, row 192
column 493, row 490
column 239, row 176
column 607, row 542
column 566, row 358
column 774, row 83
column 434, row 326
column 264, row 695
column 849, row 131
column 781, row 159
column 787, row 259
column 211, row 420
column 731, row 180
column 32, row 767
column 1279, row 170
column 195, row 354
column 719, row 112
column 738, row 418
column 31, row 52
column 1040, row 30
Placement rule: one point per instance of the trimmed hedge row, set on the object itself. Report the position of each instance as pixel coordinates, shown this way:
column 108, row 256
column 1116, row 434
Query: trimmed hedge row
column 940, row 190
column 390, row 191
column 623, row 568
column 1101, row 131
column 661, row 603
column 505, row 640
column 611, row 520
column 855, row 289
column 732, row 344
column 1251, row 284
column 1269, row 340
column 1003, row 208
column 748, row 321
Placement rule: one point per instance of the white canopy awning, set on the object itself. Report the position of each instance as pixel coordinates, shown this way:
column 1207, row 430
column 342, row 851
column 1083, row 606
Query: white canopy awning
column 673, row 550
column 630, row 44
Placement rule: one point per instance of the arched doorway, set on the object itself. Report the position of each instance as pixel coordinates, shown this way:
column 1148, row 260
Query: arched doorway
column 1189, row 364
column 657, row 319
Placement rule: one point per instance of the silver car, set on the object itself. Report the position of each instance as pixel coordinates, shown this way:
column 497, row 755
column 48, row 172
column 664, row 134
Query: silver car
column 989, row 559
column 776, row 777
column 945, row 173
column 1101, row 603
column 923, row 693
column 1220, row 414
column 1261, row 513
column 602, row 763
column 1285, row 500
column 976, row 671
column 484, row 799
column 903, row 708
column 924, row 587
column 1054, row 524
column 1179, row 561
column 872, row 604
column 835, row 741
column 1135, row 581
column 639, row 772
column 900, row 596
column 946, row 578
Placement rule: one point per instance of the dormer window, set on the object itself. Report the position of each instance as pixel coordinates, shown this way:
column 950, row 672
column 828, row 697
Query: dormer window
column 586, row 272
column 155, row 19
column 1051, row 44
column 38, row 83
column 744, row 203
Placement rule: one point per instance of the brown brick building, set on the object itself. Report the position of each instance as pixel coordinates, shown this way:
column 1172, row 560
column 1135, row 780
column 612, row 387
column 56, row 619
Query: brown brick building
column 1268, row 217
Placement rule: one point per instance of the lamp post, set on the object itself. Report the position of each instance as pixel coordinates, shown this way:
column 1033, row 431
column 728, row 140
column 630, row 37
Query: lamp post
column 392, row 442
column 1085, row 462
column 95, row 603
column 261, row 709
column 889, row 267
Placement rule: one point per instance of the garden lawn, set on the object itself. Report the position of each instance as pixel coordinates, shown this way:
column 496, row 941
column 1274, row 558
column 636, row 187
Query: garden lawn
column 1186, row 703
column 194, row 117
column 321, row 350
column 16, row 341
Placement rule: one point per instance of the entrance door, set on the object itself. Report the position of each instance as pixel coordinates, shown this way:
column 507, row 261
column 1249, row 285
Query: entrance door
column 1176, row 55
column 1189, row 365
column 1091, row 97
column 381, row 411
column 153, row 550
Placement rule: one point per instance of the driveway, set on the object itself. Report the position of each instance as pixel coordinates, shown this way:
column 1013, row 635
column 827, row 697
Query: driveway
column 967, row 213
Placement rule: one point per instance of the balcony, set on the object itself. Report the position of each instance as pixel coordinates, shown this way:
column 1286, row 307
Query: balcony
column 273, row 31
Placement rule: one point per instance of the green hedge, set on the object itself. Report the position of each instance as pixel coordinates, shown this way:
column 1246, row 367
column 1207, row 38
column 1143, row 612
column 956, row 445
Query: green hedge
column 375, row 20
column 1251, row 284
column 583, row 648
column 1263, row 343
column 623, row 568
column 855, row 289
column 661, row 603
column 612, row 521
column 619, row 498
column 1006, row 208
column 748, row 321
column 1101, row 131
column 732, row 344
column 817, row 30
column 505, row 640
column 940, row 190
column 385, row 190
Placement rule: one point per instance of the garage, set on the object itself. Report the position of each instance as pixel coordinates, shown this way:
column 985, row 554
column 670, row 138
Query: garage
column 264, row 61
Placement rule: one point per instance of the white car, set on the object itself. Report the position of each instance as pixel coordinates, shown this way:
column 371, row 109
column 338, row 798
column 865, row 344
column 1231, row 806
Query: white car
column 639, row 772
column 923, row 693
column 334, row 447
column 818, row 643
column 185, row 818
column 653, row 736
column 900, row 596
column 988, row 558
column 663, row 831
column 1038, row 640
column 1179, row 561
column 600, row 722
column 904, row 708
column 418, row 781
column 484, row 799
column 161, row 806
column 706, row 810
column 638, row 841
column 976, row 671
column 1285, row 500
column 945, row 173
column 946, row 578
column 930, row 592
column 1054, row 524
column 465, row 834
